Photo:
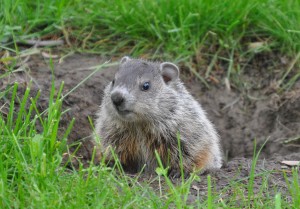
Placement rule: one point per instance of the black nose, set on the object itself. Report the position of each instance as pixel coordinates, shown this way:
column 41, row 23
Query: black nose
column 117, row 99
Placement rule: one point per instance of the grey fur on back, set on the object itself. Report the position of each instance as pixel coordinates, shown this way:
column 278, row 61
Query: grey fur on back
column 135, row 122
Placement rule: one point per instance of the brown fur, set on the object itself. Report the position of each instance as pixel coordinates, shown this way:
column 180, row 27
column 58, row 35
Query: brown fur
column 202, row 159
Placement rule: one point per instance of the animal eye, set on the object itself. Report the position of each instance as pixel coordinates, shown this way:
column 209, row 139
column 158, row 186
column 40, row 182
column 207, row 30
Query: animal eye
column 146, row 86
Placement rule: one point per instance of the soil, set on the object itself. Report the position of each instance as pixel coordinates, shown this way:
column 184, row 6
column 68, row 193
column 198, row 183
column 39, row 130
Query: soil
column 255, row 112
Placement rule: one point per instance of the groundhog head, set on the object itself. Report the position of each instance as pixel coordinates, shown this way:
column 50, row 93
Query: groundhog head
column 142, row 90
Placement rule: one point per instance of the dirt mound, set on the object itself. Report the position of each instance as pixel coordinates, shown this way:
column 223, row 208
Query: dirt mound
column 241, row 120
column 240, row 117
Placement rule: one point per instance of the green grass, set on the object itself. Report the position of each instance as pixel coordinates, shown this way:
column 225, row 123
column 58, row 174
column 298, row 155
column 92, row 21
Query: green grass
column 178, row 28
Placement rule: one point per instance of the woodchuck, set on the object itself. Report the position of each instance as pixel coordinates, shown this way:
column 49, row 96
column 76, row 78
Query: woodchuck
column 146, row 108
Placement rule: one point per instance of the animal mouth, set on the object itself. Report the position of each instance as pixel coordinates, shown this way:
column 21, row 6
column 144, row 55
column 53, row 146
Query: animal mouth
column 124, row 112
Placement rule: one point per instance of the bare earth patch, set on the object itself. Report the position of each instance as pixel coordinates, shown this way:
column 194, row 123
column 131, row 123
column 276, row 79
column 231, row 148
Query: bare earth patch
column 241, row 116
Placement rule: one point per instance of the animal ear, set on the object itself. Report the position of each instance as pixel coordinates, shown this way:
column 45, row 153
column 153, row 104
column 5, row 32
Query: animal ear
column 169, row 71
column 125, row 59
